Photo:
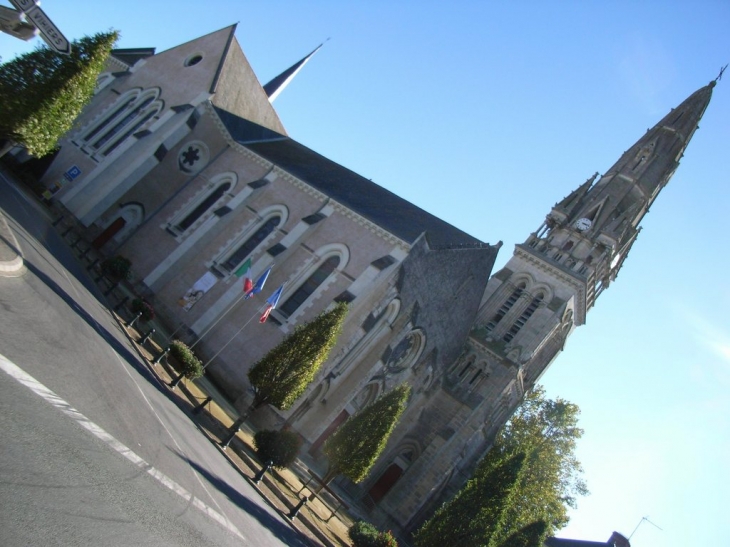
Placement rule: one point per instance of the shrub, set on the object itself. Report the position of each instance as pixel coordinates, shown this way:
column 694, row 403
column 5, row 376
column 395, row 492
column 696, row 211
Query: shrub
column 117, row 267
column 190, row 365
column 364, row 534
column 141, row 305
column 279, row 447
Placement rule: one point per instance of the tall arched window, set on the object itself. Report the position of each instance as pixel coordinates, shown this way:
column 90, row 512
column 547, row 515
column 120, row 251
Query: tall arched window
column 504, row 308
column 132, row 112
column 189, row 219
column 306, row 289
column 522, row 319
column 240, row 253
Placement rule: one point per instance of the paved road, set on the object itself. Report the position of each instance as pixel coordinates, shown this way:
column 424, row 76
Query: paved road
column 93, row 449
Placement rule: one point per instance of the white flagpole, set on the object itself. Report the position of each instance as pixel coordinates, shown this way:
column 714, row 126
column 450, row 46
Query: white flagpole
column 232, row 338
column 230, row 308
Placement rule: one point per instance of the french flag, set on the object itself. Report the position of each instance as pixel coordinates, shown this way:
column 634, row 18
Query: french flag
column 260, row 282
column 271, row 302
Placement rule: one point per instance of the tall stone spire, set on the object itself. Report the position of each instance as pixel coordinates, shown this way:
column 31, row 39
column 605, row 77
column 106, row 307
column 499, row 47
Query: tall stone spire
column 591, row 231
column 279, row 83
column 545, row 290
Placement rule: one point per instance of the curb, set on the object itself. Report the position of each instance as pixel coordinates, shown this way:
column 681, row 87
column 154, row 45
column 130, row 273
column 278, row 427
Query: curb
column 11, row 261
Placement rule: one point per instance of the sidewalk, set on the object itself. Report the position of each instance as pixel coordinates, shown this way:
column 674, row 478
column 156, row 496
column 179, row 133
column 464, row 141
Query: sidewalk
column 323, row 523
column 283, row 489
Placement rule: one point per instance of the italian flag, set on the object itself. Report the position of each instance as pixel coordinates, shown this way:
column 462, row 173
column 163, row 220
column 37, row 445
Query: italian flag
column 241, row 272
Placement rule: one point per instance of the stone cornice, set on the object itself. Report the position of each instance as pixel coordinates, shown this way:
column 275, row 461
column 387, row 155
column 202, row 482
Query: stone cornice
column 559, row 274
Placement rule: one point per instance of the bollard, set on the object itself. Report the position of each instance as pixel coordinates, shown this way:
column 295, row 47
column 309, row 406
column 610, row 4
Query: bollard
column 294, row 512
column 133, row 321
column 146, row 337
column 264, row 469
column 198, row 409
column 232, row 432
column 161, row 355
column 176, row 381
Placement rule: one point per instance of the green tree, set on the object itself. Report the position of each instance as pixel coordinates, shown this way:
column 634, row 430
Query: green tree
column 532, row 535
column 355, row 446
column 543, row 433
column 477, row 515
column 43, row 92
column 278, row 447
column 283, row 374
column 364, row 534
column 547, row 431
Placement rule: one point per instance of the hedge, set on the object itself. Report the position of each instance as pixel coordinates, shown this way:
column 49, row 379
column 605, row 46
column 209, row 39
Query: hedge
column 190, row 365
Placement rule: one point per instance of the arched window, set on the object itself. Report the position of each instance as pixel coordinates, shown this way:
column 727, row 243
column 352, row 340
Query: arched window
column 407, row 351
column 504, row 308
column 306, row 289
column 240, row 253
column 522, row 319
column 465, row 368
column 129, row 115
column 203, row 206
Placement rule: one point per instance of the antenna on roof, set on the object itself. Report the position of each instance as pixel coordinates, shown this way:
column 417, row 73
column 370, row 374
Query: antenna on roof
column 640, row 523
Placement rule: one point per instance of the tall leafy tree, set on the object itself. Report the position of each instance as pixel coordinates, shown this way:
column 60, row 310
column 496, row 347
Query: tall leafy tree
column 532, row 535
column 43, row 92
column 355, row 446
column 477, row 515
column 533, row 503
column 547, row 431
column 283, row 374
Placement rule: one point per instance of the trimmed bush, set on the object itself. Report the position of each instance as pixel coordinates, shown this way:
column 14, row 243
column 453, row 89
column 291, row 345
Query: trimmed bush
column 189, row 364
column 117, row 267
column 141, row 305
column 279, row 447
column 364, row 534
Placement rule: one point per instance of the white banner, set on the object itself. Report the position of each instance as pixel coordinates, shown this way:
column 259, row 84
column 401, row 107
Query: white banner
column 200, row 287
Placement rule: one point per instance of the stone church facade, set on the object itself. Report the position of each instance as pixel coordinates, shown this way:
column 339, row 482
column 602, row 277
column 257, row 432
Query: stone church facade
column 181, row 164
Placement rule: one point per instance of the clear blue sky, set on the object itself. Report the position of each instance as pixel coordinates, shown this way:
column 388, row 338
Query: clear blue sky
column 486, row 114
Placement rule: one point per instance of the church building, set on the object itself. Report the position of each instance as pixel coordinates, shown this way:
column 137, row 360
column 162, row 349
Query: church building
column 181, row 164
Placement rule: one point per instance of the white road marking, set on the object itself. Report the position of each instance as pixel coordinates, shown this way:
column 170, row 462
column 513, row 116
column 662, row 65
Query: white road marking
column 15, row 372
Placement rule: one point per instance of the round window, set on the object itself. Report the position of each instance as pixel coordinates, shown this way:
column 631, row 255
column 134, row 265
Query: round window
column 193, row 59
column 192, row 157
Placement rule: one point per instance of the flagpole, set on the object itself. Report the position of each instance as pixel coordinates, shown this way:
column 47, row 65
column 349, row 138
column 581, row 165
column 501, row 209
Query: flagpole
column 231, row 340
column 257, row 288
column 230, row 308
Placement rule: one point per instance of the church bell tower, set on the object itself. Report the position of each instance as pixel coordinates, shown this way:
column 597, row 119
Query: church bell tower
column 546, row 289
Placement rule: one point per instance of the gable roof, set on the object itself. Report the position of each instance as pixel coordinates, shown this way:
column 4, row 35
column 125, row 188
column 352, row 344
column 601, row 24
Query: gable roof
column 382, row 207
column 130, row 56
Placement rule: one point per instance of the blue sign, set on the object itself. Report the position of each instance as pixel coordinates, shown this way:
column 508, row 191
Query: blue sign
column 72, row 173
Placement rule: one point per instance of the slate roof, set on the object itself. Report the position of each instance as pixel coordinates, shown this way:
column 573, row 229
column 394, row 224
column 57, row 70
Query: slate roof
column 382, row 207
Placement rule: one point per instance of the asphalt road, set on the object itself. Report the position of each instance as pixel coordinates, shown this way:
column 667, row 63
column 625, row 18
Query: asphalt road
column 93, row 449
